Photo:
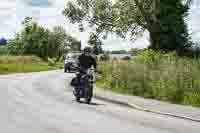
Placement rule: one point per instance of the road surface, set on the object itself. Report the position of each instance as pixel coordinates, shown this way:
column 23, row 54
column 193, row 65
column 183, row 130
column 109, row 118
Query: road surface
column 43, row 103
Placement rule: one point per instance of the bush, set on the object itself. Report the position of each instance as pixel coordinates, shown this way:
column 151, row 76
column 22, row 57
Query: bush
column 156, row 75
column 3, row 50
column 51, row 61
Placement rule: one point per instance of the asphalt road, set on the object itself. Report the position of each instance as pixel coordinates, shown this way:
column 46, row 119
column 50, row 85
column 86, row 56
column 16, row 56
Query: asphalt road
column 43, row 103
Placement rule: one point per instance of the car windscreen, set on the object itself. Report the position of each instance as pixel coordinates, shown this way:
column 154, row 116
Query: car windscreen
column 72, row 57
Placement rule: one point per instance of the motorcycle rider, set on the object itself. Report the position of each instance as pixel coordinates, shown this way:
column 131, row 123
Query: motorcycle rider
column 85, row 62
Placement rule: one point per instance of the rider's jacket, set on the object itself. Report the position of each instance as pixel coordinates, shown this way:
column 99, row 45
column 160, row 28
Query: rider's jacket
column 86, row 62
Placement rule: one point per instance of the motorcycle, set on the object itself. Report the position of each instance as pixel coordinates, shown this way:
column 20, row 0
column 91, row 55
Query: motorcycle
column 83, row 85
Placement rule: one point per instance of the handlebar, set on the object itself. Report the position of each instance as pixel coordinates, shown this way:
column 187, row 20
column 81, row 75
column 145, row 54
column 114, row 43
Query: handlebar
column 96, row 71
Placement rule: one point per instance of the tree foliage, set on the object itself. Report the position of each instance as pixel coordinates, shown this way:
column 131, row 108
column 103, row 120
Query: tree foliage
column 164, row 19
column 73, row 44
column 57, row 42
column 34, row 39
column 96, row 44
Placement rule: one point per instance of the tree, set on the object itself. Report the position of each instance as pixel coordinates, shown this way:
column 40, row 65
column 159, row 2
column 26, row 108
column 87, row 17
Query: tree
column 57, row 42
column 32, row 39
column 96, row 44
column 37, row 40
column 164, row 19
column 61, row 42
column 73, row 44
column 15, row 46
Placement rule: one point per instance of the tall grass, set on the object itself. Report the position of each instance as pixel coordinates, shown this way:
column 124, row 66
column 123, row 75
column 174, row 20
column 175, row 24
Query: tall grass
column 16, row 64
column 155, row 75
column 21, row 60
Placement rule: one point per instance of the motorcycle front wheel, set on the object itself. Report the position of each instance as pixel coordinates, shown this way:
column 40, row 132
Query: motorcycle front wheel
column 76, row 96
column 78, row 99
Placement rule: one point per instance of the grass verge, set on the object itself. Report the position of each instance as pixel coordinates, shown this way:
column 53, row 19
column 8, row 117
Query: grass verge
column 24, row 68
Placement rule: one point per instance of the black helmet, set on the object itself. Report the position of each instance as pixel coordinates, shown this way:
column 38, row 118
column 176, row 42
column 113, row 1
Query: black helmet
column 87, row 50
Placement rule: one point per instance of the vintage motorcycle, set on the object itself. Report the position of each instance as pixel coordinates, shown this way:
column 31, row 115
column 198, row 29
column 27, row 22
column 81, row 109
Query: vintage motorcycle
column 83, row 85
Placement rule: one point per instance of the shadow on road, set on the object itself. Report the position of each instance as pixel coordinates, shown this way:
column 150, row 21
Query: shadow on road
column 91, row 104
column 96, row 104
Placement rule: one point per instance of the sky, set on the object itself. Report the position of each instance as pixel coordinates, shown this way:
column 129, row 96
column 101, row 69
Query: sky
column 49, row 14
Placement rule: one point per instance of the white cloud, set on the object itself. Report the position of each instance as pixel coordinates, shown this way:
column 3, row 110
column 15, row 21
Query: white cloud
column 12, row 12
